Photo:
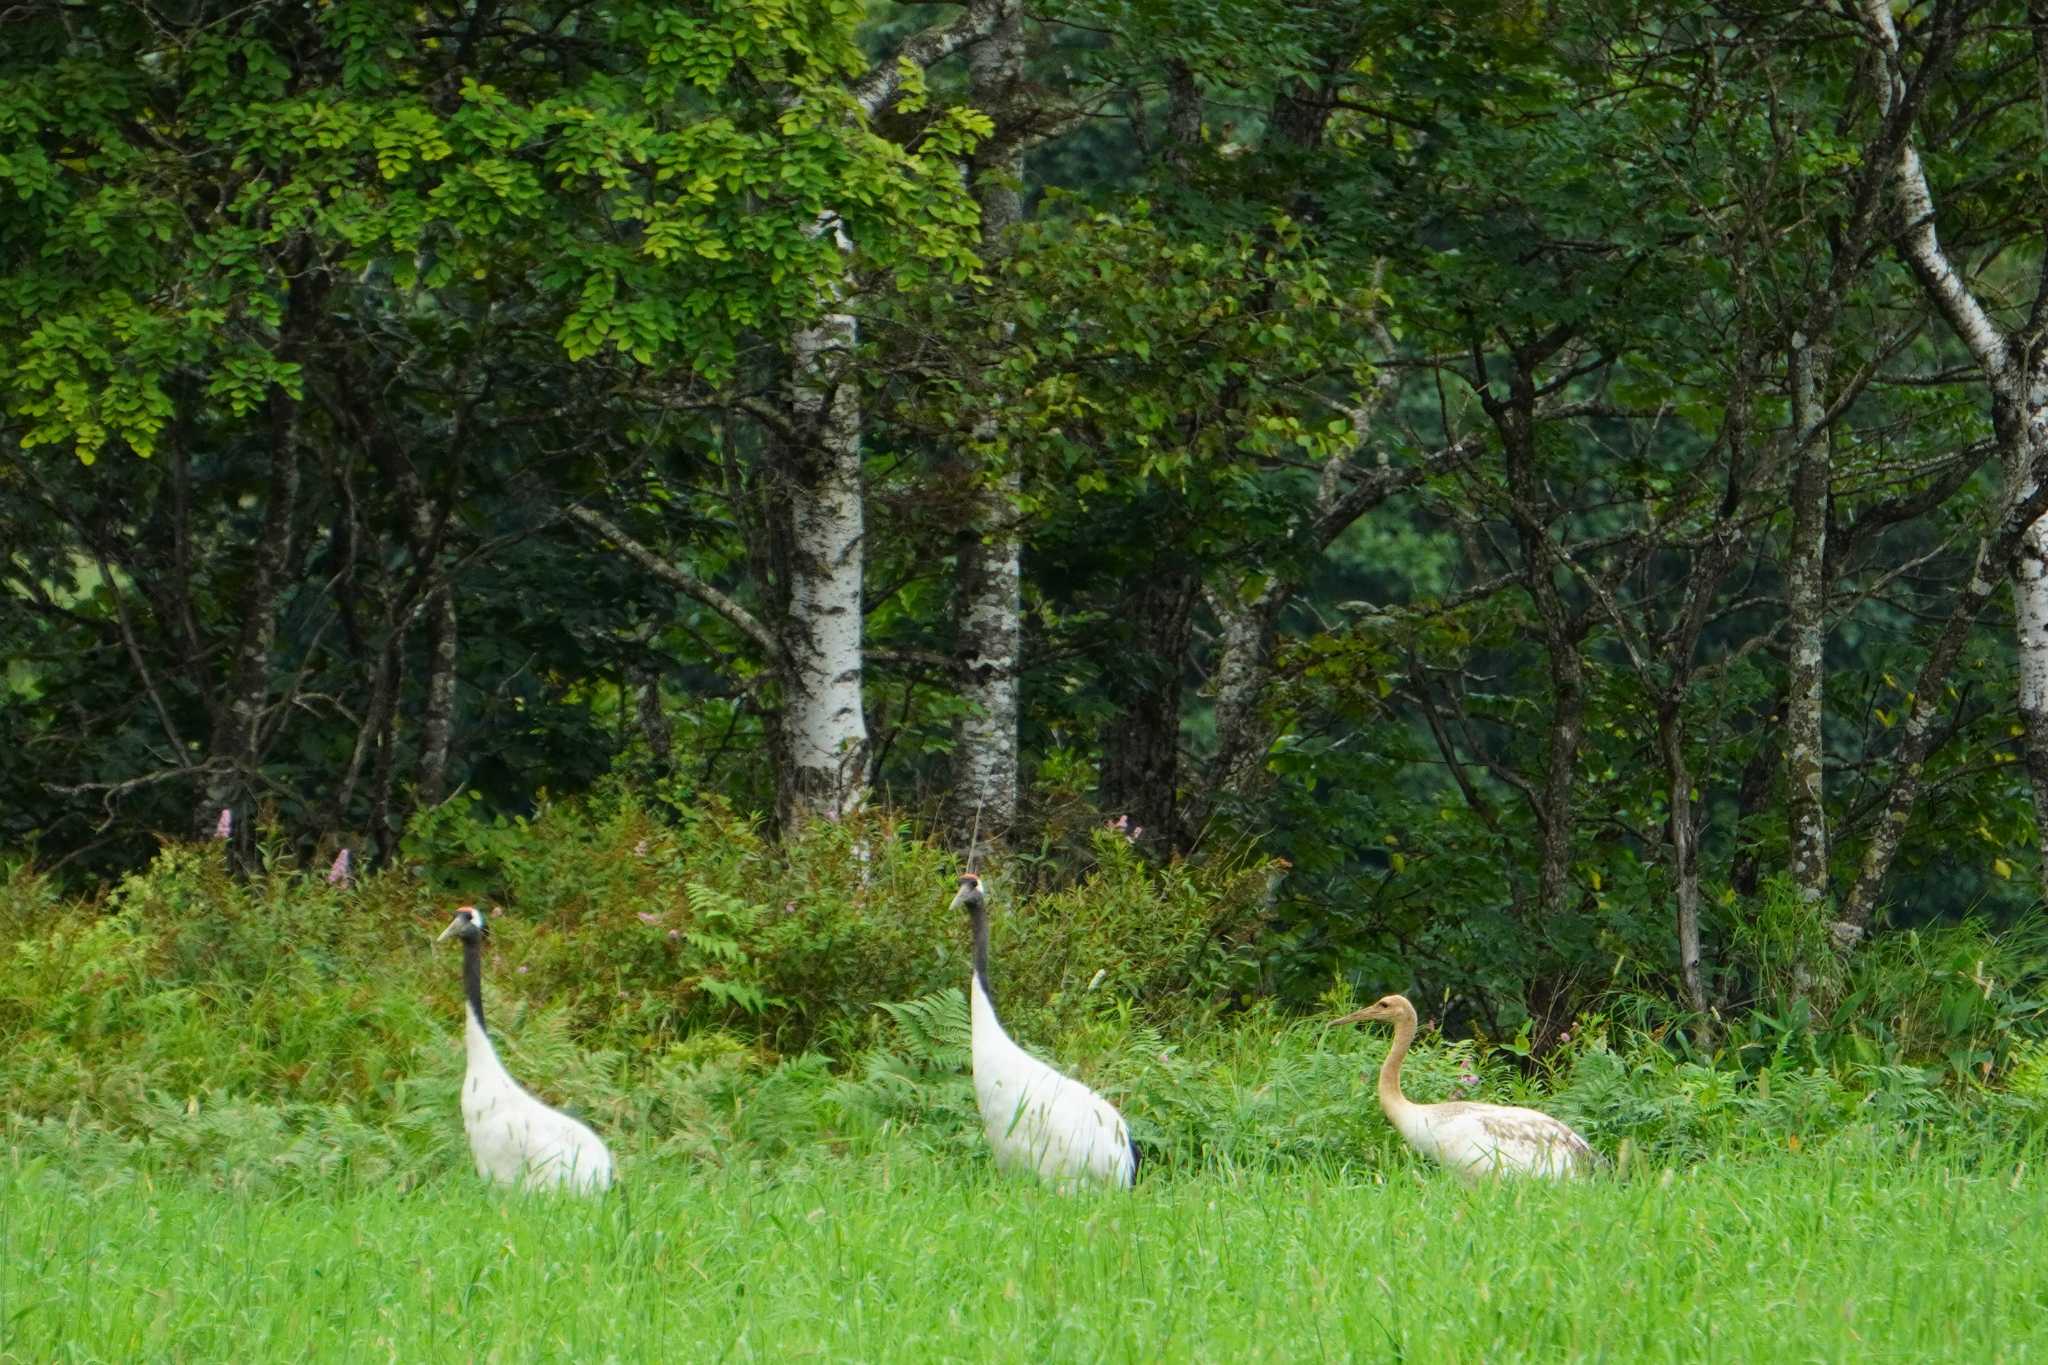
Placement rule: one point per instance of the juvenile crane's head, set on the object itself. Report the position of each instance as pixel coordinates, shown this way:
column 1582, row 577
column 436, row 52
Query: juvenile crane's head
column 468, row 925
column 968, row 897
column 1388, row 1009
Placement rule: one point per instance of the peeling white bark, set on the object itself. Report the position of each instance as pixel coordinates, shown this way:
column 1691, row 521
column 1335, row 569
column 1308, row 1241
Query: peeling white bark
column 989, row 600
column 990, row 647
column 1918, row 242
column 2030, row 608
column 824, row 728
column 2019, row 399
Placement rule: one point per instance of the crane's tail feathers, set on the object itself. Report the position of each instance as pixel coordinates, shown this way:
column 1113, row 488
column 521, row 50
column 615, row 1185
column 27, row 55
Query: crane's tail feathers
column 1137, row 1161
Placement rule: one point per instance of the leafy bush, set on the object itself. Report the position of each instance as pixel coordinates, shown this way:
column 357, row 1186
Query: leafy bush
column 666, row 979
column 700, row 996
column 657, row 929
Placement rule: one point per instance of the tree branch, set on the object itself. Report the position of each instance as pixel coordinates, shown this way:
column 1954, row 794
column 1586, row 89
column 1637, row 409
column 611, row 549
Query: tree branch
column 924, row 49
column 735, row 615
column 1917, row 239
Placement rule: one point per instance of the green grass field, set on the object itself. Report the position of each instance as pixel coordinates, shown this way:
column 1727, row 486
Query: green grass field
column 1796, row 1258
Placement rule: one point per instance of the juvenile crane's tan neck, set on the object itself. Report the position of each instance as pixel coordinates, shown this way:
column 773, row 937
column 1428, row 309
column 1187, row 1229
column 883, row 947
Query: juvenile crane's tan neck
column 1391, row 1098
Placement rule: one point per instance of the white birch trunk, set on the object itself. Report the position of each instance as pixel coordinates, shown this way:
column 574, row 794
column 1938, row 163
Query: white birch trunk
column 991, row 639
column 2030, row 611
column 824, row 729
column 989, row 602
column 2018, row 380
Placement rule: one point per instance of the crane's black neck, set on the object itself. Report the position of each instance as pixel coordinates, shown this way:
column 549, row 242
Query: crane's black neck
column 473, row 976
column 977, row 916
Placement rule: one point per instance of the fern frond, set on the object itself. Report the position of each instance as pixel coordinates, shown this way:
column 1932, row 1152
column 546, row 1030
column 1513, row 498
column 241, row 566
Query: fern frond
column 933, row 1029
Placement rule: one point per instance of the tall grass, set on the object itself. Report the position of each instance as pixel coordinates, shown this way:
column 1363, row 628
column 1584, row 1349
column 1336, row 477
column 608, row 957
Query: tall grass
column 1780, row 1258
column 701, row 997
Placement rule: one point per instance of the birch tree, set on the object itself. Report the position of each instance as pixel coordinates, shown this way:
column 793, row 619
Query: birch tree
column 811, row 514
column 383, row 221
column 989, row 628
column 2014, row 368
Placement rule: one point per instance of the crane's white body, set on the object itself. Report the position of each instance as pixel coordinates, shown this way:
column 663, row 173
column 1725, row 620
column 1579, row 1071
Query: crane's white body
column 1492, row 1139
column 1470, row 1138
column 516, row 1139
column 1038, row 1120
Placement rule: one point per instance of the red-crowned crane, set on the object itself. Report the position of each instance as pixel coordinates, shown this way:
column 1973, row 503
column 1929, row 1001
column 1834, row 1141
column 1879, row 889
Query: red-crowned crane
column 513, row 1136
column 1036, row 1119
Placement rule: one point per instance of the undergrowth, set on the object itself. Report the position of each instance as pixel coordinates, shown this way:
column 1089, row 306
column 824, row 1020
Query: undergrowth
column 704, row 998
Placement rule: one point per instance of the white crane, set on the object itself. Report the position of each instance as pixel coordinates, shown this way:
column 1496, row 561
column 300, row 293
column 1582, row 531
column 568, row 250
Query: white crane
column 1471, row 1138
column 1036, row 1119
column 513, row 1136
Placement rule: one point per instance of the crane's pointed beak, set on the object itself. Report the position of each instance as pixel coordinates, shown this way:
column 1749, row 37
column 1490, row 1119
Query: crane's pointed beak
column 1355, row 1017
column 453, row 924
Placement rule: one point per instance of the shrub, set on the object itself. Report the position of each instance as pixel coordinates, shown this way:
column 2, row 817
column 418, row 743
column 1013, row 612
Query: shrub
column 699, row 995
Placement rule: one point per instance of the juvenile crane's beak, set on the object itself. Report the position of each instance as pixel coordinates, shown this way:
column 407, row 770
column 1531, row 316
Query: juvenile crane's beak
column 1355, row 1017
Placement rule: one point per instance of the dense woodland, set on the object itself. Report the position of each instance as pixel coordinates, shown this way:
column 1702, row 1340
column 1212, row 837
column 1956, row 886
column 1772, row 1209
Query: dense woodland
column 1565, row 477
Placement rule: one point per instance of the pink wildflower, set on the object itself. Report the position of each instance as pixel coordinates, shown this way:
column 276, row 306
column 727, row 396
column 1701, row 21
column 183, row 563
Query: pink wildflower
column 225, row 829
column 646, row 917
column 338, row 875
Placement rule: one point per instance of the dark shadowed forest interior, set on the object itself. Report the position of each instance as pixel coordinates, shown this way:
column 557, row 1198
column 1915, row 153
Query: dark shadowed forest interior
column 1536, row 505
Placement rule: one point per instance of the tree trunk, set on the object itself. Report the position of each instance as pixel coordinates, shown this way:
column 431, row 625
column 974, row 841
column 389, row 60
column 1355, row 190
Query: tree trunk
column 1752, row 794
column 1141, row 746
column 1916, row 739
column 824, row 738
column 373, row 735
column 2030, row 569
column 989, row 642
column 654, row 723
column 233, row 752
column 2030, row 607
column 1563, row 630
column 988, row 593
column 1554, row 811
column 1806, row 612
column 1243, row 670
column 383, row 827
column 437, row 726
column 437, row 721
column 1248, row 621
column 1685, row 870
column 2016, row 370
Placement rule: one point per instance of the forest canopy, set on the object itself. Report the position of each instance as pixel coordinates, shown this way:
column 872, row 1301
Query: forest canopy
column 1566, row 478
